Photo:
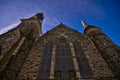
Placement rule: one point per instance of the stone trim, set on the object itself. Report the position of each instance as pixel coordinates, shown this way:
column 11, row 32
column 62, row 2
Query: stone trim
column 53, row 62
column 18, row 47
column 76, row 67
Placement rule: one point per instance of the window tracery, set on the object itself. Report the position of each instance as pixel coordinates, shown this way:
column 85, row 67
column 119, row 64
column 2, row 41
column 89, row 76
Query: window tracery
column 45, row 64
column 84, row 68
column 64, row 63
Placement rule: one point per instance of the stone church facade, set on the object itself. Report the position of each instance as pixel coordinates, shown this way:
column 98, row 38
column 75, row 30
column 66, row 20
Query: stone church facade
column 60, row 54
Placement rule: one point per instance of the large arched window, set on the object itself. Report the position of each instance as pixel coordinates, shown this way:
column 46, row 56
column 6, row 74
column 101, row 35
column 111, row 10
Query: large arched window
column 45, row 64
column 64, row 64
column 84, row 68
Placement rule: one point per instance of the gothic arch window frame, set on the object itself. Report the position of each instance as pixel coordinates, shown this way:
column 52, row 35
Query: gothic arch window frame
column 82, row 61
column 45, row 64
column 64, row 62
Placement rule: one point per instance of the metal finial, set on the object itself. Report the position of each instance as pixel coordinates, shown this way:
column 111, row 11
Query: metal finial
column 84, row 24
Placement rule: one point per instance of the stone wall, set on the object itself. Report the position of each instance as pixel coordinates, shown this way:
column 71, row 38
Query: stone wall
column 30, row 67
column 15, row 62
column 96, row 61
column 7, row 40
column 108, row 49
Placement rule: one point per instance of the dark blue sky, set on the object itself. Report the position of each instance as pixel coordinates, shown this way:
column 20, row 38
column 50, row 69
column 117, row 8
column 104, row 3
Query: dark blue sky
column 102, row 13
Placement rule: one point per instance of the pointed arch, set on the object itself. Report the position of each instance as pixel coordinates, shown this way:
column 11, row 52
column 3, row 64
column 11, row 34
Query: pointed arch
column 44, row 70
column 83, row 64
column 64, row 64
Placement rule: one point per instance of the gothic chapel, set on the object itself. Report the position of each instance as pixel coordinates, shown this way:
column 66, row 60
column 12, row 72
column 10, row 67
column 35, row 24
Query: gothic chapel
column 60, row 54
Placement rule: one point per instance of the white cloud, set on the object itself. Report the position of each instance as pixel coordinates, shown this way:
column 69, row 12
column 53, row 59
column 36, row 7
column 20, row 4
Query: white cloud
column 8, row 28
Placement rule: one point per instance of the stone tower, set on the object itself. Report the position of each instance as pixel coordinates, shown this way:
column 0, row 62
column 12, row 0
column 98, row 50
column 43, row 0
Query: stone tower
column 108, row 49
column 61, row 53
column 15, row 45
column 30, row 23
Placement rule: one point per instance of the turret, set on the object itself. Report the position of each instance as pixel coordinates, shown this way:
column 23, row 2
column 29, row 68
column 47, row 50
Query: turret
column 108, row 49
column 85, row 25
column 88, row 29
column 32, row 26
column 39, row 16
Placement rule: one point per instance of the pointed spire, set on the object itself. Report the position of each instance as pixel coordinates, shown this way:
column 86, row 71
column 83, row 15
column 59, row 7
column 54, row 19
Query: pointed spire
column 84, row 24
column 40, row 16
column 61, row 23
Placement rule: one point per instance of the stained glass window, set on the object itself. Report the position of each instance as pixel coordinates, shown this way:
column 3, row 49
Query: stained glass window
column 57, row 74
column 85, row 70
column 72, row 73
column 44, row 72
column 64, row 61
